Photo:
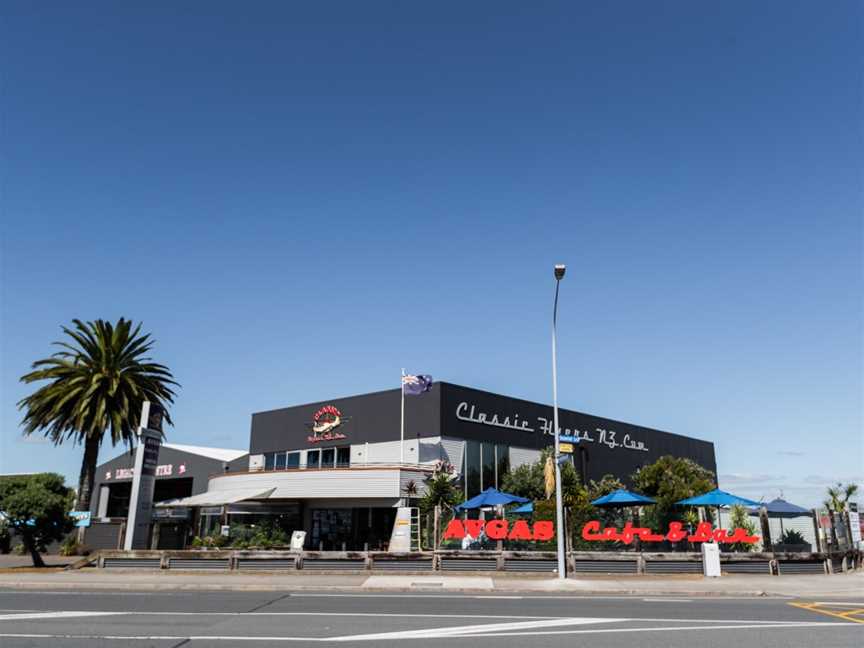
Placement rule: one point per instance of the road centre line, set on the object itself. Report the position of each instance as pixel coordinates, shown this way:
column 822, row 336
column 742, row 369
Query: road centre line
column 667, row 600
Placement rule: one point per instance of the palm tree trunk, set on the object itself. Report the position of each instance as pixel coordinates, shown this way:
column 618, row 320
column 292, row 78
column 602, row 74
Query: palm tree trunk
column 86, row 478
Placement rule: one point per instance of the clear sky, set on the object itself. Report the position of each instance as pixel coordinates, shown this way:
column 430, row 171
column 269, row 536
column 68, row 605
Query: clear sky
column 298, row 199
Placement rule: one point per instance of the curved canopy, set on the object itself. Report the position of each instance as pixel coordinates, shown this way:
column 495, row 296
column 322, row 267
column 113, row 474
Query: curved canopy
column 490, row 497
column 717, row 497
column 622, row 497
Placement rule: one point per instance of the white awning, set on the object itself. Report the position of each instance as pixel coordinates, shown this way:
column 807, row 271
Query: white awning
column 217, row 498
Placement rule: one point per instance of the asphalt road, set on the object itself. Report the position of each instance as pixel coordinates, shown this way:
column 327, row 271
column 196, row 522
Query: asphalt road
column 223, row 619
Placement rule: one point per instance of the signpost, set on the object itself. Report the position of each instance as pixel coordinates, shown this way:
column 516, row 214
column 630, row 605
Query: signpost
column 144, row 477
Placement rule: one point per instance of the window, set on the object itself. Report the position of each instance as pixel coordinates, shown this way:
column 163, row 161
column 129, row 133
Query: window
column 502, row 459
column 487, row 451
column 313, row 458
column 343, row 457
column 269, row 460
column 292, row 460
column 472, row 469
column 328, row 457
column 280, row 461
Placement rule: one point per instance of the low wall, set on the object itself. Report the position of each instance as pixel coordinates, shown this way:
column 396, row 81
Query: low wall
column 531, row 562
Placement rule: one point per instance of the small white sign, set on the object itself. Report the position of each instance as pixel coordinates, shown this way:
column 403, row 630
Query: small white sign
column 298, row 539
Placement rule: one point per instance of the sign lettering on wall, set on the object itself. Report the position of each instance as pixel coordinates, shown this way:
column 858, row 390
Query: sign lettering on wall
column 162, row 470
column 704, row 532
column 325, row 423
column 542, row 530
column 466, row 411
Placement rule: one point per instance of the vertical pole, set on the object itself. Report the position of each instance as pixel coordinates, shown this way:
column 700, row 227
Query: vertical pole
column 402, row 421
column 559, row 512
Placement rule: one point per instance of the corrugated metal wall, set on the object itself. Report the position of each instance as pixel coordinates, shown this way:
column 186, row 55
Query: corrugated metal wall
column 802, row 524
column 348, row 484
column 520, row 456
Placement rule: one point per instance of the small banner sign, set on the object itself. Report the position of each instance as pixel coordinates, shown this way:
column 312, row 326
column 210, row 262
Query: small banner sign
column 80, row 518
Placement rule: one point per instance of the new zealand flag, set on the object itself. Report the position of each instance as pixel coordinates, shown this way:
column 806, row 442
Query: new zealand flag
column 416, row 385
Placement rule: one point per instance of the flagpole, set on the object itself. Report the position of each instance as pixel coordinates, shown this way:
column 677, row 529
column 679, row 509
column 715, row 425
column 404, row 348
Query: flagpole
column 402, row 421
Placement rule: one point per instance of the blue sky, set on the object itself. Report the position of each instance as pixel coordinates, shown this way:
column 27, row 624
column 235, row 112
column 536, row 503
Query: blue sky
column 299, row 199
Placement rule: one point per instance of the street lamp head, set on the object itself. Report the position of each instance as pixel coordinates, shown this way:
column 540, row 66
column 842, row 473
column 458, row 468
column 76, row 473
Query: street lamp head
column 560, row 268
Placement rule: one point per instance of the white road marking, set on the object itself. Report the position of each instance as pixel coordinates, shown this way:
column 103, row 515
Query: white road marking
column 667, row 600
column 673, row 628
column 836, row 604
column 18, row 616
column 21, row 635
column 476, row 630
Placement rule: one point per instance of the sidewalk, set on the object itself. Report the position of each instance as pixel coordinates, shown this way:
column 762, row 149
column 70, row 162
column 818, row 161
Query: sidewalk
column 804, row 586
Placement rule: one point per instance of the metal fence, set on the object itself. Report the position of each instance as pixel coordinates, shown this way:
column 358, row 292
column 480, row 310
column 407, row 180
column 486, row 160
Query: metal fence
column 538, row 562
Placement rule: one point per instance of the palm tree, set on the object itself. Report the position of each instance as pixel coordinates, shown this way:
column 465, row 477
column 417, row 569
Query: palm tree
column 441, row 495
column 839, row 496
column 98, row 382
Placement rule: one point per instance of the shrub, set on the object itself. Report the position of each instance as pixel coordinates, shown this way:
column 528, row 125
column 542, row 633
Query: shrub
column 740, row 519
column 71, row 547
column 792, row 537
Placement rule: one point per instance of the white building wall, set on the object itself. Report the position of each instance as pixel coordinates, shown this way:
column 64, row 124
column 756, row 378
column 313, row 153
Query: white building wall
column 802, row 524
column 521, row 456
column 337, row 483
column 453, row 451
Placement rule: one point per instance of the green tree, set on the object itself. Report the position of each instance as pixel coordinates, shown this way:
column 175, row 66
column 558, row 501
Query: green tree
column 740, row 519
column 440, row 494
column 97, row 382
column 839, row 496
column 440, row 490
column 35, row 506
column 528, row 480
column 668, row 480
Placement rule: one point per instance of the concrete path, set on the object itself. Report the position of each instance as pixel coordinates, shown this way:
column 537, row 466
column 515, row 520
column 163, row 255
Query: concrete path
column 837, row 585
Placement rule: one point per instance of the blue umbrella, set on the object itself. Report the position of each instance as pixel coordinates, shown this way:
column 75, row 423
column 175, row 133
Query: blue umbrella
column 622, row 498
column 781, row 507
column 525, row 508
column 490, row 497
column 717, row 497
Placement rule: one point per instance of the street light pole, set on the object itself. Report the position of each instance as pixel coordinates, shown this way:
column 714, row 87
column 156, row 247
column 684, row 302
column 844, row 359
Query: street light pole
column 559, row 504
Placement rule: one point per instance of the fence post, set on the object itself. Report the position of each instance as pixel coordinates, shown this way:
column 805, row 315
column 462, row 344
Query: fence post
column 640, row 564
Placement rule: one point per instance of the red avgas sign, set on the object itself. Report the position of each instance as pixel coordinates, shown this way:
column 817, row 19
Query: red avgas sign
column 500, row 530
column 704, row 533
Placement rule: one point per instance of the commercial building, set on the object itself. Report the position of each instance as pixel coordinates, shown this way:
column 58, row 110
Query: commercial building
column 183, row 471
column 337, row 469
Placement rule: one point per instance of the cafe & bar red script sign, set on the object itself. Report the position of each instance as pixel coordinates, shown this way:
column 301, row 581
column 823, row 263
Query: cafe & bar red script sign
column 704, row 532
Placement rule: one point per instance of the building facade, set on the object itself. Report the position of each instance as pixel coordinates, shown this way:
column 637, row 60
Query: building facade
column 183, row 471
column 338, row 469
